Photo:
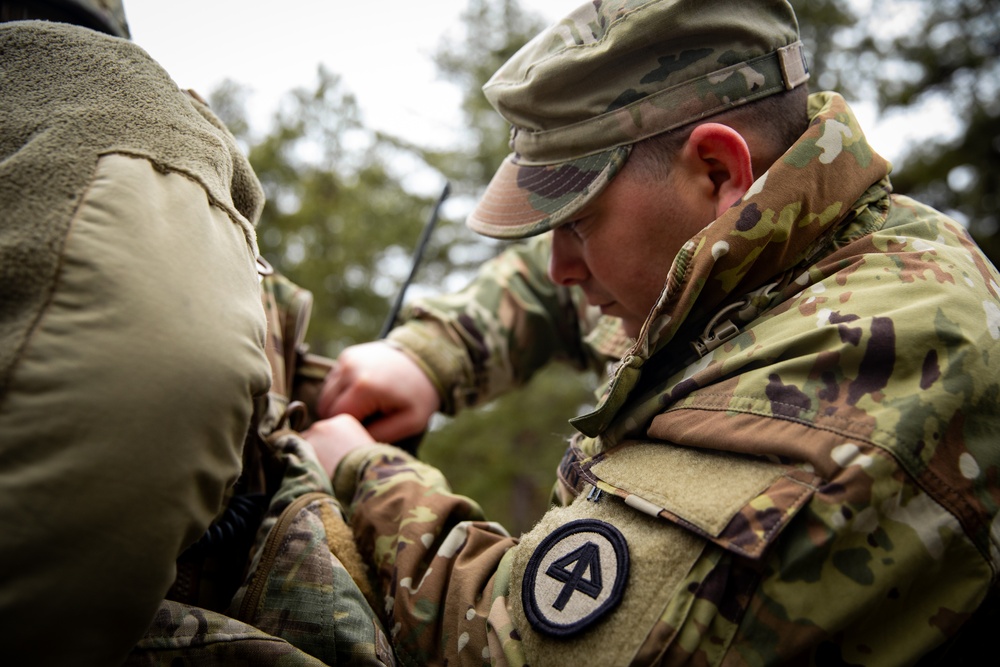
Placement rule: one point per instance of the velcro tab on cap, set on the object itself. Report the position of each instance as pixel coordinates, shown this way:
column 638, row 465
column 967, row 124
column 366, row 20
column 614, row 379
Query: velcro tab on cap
column 794, row 70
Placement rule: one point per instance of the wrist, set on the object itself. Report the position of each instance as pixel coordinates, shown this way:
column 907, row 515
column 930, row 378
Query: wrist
column 350, row 468
column 423, row 344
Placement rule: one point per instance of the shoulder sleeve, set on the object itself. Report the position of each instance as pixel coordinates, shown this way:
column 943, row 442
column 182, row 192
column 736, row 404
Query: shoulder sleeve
column 435, row 557
column 503, row 327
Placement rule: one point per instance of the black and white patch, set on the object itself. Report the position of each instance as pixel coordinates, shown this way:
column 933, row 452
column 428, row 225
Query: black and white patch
column 575, row 576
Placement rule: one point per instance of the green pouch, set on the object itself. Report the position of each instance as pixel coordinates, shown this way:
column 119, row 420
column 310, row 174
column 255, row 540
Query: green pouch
column 307, row 583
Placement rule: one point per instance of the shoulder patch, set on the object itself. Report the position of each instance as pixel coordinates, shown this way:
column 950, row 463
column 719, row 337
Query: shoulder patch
column 576, row 575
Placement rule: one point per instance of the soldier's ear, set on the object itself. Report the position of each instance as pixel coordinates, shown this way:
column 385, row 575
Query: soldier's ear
column 719, row 158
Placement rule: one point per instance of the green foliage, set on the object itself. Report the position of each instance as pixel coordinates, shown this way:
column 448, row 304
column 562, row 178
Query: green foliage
column 336, row 220
column 505, row 454
column 494, row 31
column 904, row 56
column 952, row 54
column 825, row 26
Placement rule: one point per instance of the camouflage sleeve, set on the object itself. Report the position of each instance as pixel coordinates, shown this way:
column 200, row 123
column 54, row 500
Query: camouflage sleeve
column 435, row 558
column 508, row 323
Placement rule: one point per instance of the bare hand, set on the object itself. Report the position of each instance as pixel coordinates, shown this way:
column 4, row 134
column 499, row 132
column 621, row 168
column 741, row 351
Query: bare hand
column 335, row 438
column 382, row 387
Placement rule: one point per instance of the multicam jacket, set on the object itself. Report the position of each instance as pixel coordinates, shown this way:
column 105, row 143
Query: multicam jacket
column 814, row 479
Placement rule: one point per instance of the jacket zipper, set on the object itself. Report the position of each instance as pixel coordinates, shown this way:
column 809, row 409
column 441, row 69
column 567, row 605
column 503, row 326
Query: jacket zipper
column 270, row 550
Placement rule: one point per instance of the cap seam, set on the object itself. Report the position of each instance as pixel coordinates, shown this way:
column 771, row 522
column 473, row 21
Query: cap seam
column 530, row 227
column 719, row 72
column 572, row 47
column 516, row 157
column 768, row 58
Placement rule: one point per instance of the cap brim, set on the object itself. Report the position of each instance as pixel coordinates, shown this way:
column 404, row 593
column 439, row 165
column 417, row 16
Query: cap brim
column 526, row 200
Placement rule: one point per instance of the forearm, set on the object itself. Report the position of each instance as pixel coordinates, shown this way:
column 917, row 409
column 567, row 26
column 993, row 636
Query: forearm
column 497, row 332
column 435, row 557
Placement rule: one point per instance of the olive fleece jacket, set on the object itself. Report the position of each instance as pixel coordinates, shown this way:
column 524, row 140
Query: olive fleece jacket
column 131, row 336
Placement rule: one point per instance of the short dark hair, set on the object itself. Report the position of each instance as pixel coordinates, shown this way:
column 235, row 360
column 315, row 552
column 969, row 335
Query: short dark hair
column 75, row 12
column 776, row 122
column 18, row 10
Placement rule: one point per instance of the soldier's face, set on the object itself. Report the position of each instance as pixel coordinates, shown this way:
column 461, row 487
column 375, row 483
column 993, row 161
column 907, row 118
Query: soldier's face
column 620, row 247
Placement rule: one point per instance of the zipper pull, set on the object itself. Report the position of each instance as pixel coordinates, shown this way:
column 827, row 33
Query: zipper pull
column 714, row 337
column 594, row 495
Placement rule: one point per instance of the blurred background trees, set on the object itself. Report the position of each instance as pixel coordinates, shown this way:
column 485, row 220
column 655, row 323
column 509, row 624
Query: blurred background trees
column 932, row 63
column 345, row 205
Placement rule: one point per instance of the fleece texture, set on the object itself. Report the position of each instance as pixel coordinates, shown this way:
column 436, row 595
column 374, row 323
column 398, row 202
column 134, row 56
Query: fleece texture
column 68, row 96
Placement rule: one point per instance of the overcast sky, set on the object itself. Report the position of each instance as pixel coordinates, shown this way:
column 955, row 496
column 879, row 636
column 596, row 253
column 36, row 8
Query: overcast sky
column 380, row 49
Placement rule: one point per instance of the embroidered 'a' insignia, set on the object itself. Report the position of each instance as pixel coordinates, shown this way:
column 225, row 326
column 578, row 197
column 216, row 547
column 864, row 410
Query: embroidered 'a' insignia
column 575, row 576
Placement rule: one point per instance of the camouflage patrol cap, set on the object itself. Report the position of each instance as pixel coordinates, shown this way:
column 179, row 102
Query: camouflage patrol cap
column 615, row 72
column 101, row 15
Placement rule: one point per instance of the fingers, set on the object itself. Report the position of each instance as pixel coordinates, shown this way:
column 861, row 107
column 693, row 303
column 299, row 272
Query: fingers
column 333, row 386
column 357, row 398
column 388, row 420
column 383, row 388
column 333, row 439
column 352, row 388
column 396, row 426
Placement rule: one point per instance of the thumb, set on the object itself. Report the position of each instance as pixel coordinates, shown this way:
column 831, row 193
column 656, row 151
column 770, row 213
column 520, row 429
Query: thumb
column 359, row 404
column 394, row 427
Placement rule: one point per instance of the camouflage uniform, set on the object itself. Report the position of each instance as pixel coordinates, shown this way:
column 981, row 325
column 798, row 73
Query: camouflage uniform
column 820, row 484
column 131, row 335
column 795, row 461
column 505, row 326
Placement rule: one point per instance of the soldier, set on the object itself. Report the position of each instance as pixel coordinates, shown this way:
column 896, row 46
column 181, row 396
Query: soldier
column 795, row 458
column 131, row 329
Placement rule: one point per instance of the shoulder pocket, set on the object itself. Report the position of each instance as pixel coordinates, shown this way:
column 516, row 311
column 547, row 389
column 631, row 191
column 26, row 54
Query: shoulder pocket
column 307, row 584
column 739, row 503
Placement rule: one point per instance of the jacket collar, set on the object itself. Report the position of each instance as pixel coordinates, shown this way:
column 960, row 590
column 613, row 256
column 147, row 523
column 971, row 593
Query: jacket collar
column 786, row 220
